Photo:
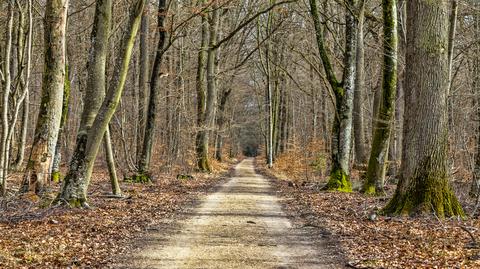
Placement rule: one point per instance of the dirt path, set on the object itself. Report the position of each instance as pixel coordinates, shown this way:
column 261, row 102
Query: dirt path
column 240, row 226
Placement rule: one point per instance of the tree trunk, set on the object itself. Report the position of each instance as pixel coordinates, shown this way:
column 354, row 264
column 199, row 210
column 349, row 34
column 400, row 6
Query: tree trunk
column 211, row 103
column 342, row 126
column 25, row 84
column 451, row 41
column 358, row 125
column 75, row 186
column 375, row 177
column 7, row 84
column 112, row 171
column 424, row 176
column 39, row 166
column 221, row 123
column 23, row 133
column 475, row 188
column 148, row 139
column 201, row 141
column 58, row 148
column 143, row 81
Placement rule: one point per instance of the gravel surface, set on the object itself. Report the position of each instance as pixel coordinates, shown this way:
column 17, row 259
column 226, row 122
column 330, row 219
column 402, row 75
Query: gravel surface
column 242, row 225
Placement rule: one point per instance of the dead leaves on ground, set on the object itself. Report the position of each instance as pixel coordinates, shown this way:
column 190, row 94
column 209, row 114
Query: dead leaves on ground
column 35, row 237
column 371, row 241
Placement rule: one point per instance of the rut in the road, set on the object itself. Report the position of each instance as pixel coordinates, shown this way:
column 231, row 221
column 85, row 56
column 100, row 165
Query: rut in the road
column 240, row 226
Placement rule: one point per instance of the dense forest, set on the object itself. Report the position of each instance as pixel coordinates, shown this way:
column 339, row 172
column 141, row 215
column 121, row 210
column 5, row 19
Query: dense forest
column 361, row 117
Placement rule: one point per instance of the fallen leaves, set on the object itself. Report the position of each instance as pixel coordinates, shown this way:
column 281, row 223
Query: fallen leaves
column 36, row 237
column 383, row 242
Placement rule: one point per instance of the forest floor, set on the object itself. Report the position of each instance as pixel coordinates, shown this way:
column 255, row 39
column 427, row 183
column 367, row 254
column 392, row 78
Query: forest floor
column 242, row 225
column 34, row 235
column 372, row 241
column 240, row 216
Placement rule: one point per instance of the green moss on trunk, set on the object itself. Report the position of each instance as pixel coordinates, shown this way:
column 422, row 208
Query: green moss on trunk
column 428, row 194
column 56, row 176
column 339, row 181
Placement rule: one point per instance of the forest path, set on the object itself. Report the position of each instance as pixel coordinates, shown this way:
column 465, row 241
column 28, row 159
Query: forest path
column 240, row 226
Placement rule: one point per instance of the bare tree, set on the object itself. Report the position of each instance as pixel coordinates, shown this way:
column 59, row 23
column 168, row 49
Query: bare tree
column 37, row 174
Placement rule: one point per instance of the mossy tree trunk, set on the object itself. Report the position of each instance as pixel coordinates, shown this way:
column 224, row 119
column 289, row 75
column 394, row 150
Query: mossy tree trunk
column 95, row 90
column 37, row 174
column 75, row 186
column 424, row 176
column 150, row 124
column 58, row 148
column 375, row 177
column 344, row 91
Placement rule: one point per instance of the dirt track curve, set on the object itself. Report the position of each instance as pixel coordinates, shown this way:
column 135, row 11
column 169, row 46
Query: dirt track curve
column 242, row 225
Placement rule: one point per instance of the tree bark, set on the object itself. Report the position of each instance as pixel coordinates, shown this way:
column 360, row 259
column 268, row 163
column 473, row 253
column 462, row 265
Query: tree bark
column 39, row 166
column 25, row 84
column 375, row 177
column 7, row 84
column 342, row 126
column 424, row 175
column 77, row 180
column 358, row 125
column 475, row 187
column 58, row 148
column 211, row 102
column 143, row 81
column 221, row 123
column 112, row 171
column 201, row 141
column 148, row 139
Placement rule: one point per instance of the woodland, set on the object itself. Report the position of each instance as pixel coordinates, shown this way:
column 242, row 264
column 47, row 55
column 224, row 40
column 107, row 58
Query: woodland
column 363, row 114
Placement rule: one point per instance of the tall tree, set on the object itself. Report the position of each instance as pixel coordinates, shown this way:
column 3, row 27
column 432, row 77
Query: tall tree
column 7, row 84
column 343, row 91
column 143, row 80
column 150, row 124
column 77, row 180
column 475, row 188
column 201, row 140
column 37, row 174
column 424, row 175
column 375, row 177
column 358, row 122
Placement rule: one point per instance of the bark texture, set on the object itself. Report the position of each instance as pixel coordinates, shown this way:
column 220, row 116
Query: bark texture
column 149, row 134
column 358, row 122
column 37, row 174
column 344, row 91
column 475, row 188
column 75, row 186
column 201, row 141
column 424, row 176
column 375, row 177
